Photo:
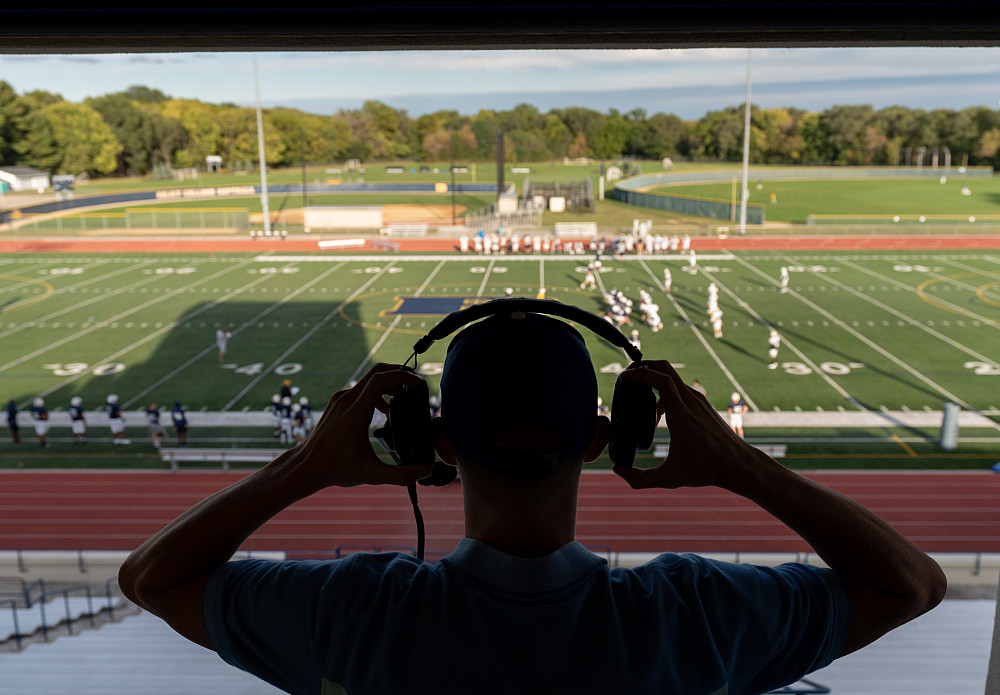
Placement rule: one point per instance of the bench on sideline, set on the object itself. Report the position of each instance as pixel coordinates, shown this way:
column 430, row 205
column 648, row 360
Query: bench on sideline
column 341, row 244
column 775, row 451
column 174, row 456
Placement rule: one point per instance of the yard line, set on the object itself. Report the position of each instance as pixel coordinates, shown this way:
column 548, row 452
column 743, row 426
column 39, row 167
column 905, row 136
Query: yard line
column 212, row 347
column 715, row 357
column 20, row 276
column 900, row 315
column 102, row 324
column 941, row 303
column 600, row 283
column 87, row 302
column 134, row 345
column 486, row 276
column 306, row 336
column 872, row 344
column 785, row 342
column 395, row 322
column 541, row 275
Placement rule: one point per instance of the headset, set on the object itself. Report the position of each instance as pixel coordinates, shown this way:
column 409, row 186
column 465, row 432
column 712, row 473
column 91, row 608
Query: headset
column 407, row 434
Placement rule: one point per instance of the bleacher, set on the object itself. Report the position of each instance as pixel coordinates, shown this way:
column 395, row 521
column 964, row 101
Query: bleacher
column 28, row 612
column 138, row 655
column 944, row 651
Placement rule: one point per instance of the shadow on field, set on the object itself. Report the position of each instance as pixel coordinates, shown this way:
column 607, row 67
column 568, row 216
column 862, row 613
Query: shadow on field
column 310, row 343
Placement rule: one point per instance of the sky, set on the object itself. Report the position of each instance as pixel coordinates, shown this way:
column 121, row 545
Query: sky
column 686, row 82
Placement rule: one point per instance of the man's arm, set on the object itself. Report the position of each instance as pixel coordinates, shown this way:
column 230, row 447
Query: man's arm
column 889, row 580
column 167, row 573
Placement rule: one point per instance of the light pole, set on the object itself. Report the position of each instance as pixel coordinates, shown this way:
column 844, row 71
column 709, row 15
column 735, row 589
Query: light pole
column 452, row 175
column 260, row 149
column 745, row 193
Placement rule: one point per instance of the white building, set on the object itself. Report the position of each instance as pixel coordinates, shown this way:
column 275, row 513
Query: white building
column 24, row 179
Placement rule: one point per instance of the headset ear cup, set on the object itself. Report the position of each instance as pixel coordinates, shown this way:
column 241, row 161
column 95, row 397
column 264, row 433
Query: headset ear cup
column 409, row 422
column 633, row 421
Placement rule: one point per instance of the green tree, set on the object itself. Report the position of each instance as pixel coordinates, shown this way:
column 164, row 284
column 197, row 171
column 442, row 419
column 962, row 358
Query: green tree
column 203, row 136
column 387, row 130
column 988, row 148
column 134, row 129
column 145, row 95
column 581, row 120
column 13, row 124
column 719, row 135
column 845, row 133
column 526, row 146
column 612, row 138
column 656, row 137
column 523, row 117
column 557, row 136
column 84, row 142
column 814, row 144
column 485, row 125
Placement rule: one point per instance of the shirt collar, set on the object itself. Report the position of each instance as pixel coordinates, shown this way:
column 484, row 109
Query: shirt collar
column 558, row 569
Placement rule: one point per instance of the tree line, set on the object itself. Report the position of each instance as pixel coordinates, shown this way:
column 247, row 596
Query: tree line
column 141, row 132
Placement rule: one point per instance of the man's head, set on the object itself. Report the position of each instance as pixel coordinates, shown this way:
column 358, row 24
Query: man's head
column 518, row 393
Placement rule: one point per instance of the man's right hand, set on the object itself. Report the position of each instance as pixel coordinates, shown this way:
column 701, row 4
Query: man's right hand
column 703, row 448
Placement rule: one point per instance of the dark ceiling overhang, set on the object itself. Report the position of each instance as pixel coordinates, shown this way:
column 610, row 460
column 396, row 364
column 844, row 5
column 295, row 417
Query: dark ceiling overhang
column 383, row 26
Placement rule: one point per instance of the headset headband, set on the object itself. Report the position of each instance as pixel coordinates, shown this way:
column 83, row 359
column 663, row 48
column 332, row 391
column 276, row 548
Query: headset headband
column 451, row 323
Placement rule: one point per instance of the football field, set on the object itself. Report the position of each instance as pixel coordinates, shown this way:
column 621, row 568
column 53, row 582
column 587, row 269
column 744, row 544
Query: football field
column 874, row 343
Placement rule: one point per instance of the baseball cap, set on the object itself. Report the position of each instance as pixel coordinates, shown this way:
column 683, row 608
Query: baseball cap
column 519, row 370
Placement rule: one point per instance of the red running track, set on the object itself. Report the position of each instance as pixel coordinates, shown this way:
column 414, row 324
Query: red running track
column 940, row 512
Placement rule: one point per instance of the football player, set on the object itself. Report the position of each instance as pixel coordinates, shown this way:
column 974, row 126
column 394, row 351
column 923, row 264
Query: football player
column 153, row 421
column 180, row 425
column 773, row 342
column 736, row 408
column 222, row 337
column 40, row 416
column 116, row 421
column 77, row 420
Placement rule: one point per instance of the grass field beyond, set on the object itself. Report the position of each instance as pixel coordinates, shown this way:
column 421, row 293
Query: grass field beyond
column 868, row 333
column 850, row 199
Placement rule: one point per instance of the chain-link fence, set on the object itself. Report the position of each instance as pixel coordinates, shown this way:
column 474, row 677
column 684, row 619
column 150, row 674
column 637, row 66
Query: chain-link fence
column 204, row 220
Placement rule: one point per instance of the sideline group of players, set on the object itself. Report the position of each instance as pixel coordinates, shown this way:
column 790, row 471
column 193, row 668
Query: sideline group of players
column 116, row 421
column 641, row 241
column 292, row 421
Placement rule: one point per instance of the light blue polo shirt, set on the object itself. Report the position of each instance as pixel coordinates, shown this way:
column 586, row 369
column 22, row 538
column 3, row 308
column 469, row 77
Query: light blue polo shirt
column 481, row 621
